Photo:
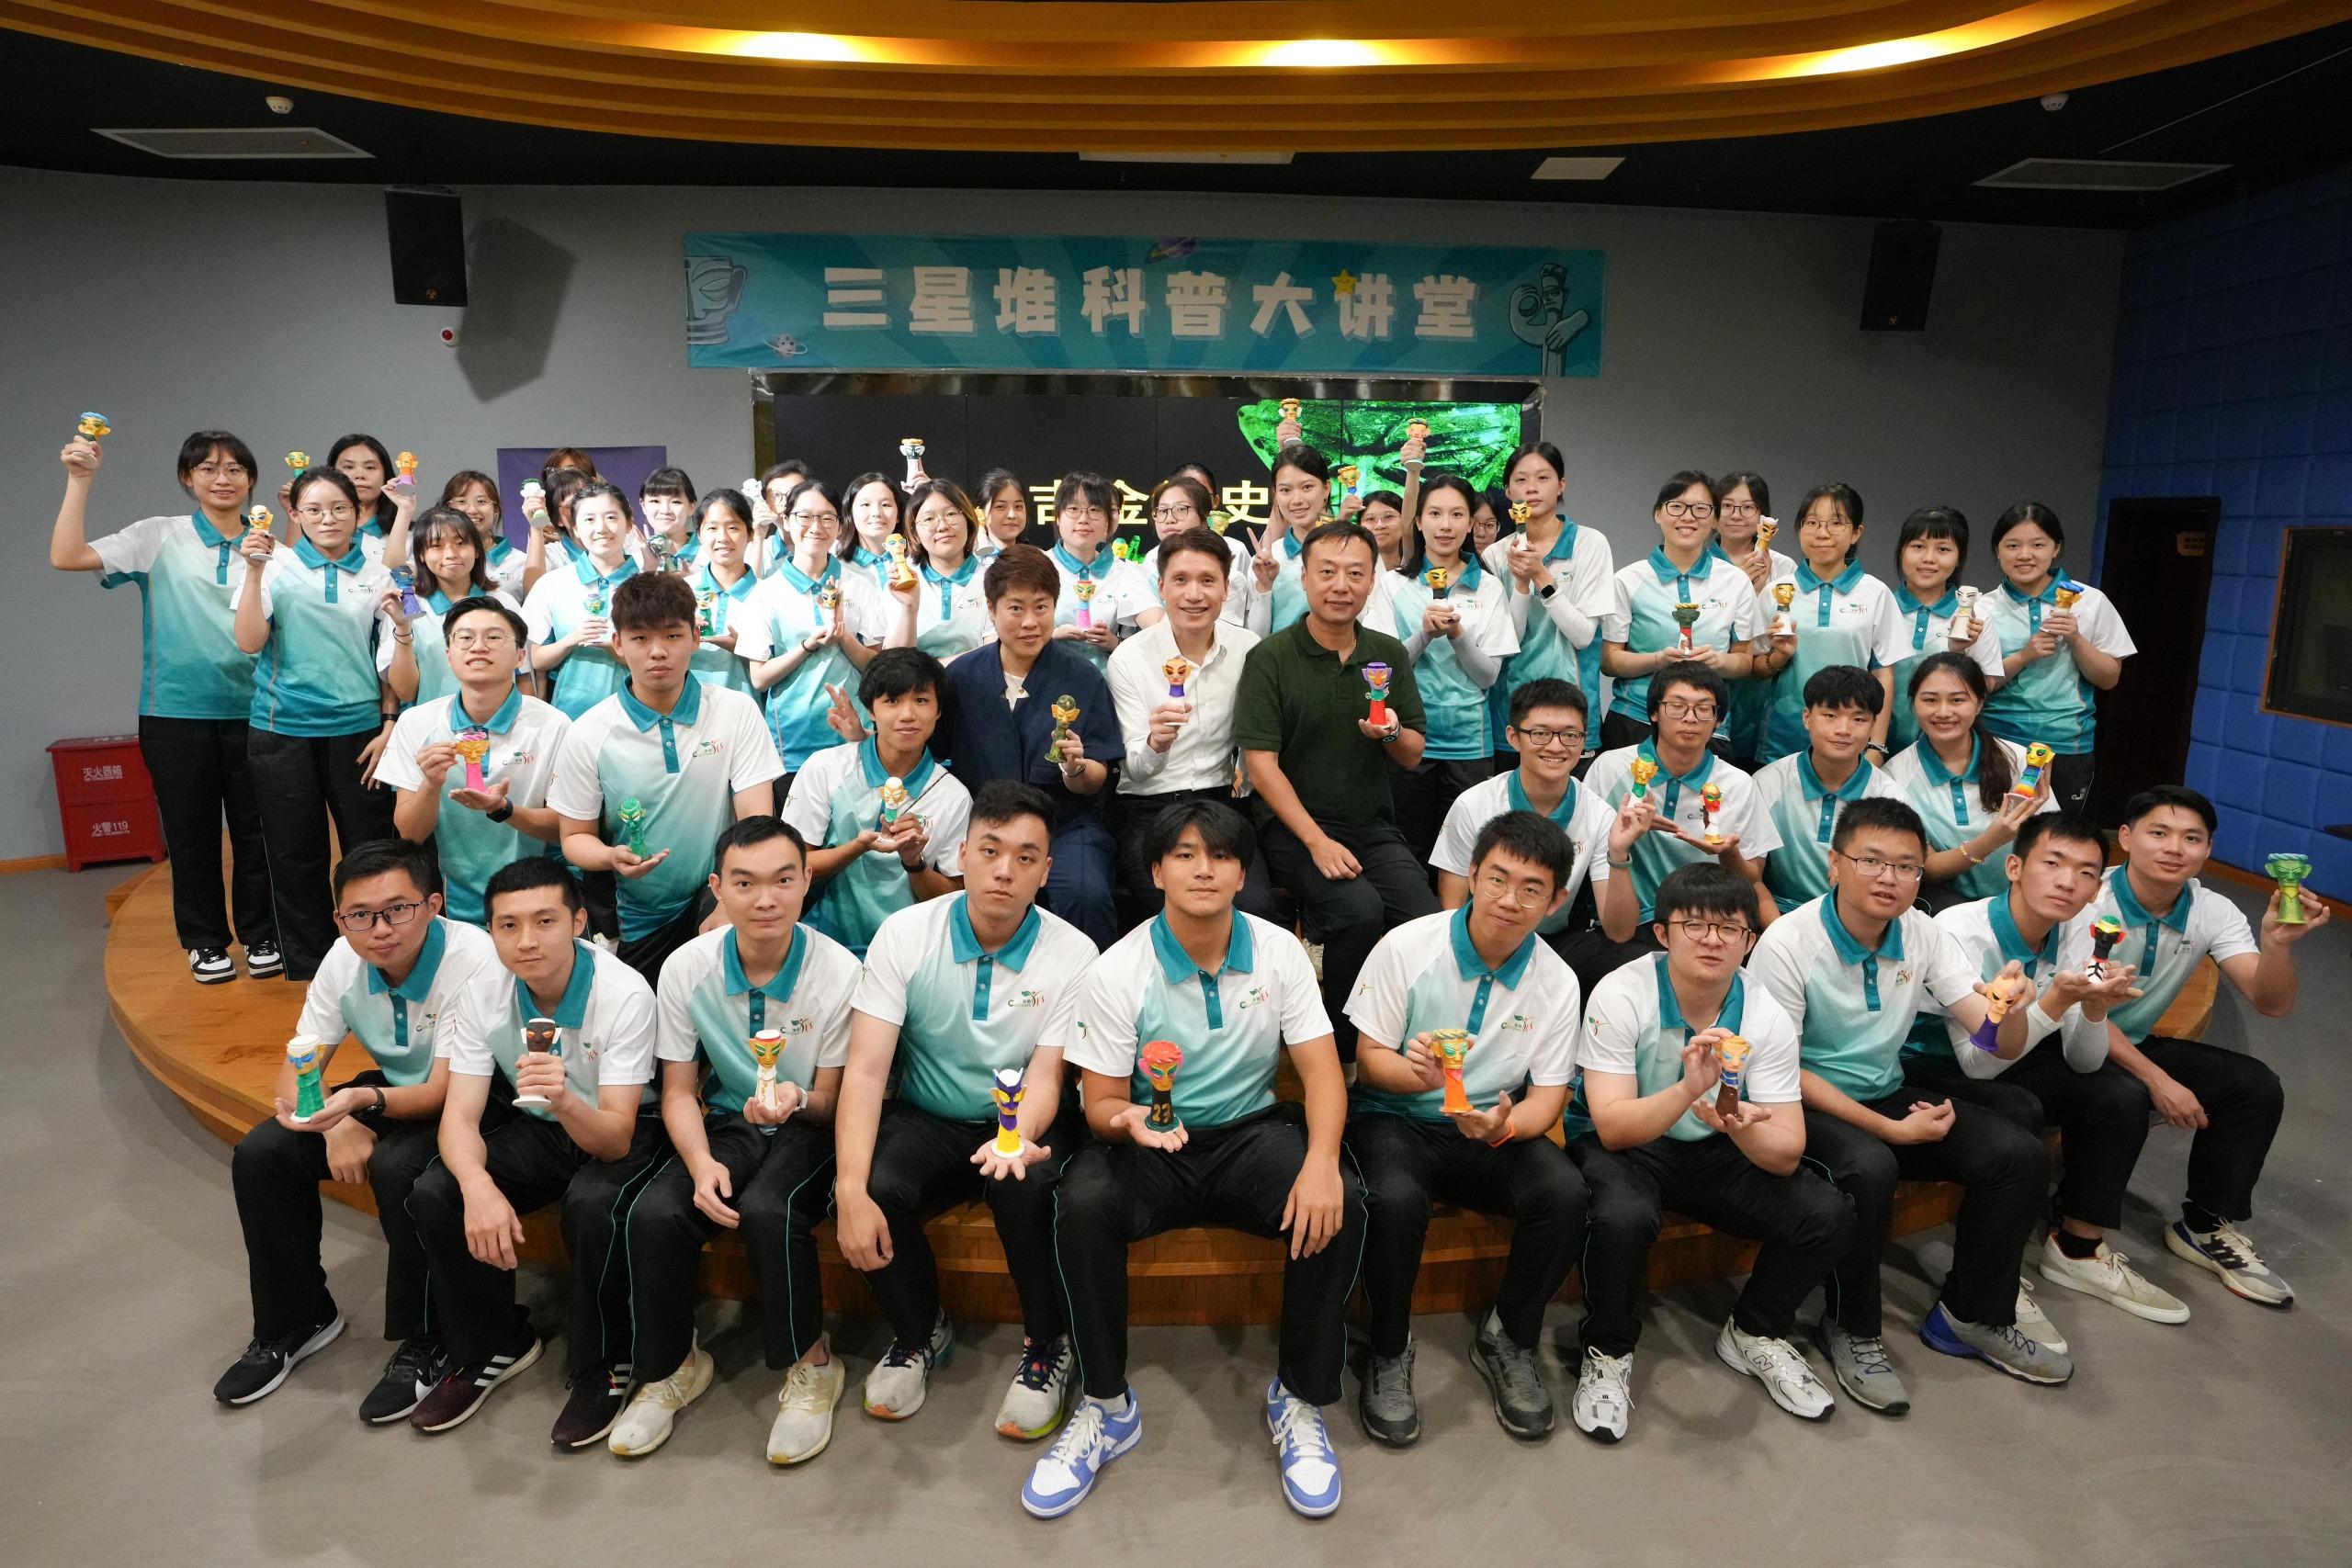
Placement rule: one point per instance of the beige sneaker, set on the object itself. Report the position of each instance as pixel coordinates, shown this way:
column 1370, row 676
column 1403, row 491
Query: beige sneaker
column 653, row 1409
column 2108, row 1275
column 804, row 1423
column 2034, row 1322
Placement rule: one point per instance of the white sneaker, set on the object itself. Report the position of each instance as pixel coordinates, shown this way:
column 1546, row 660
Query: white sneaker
column 2108, row 1275
column 804, row 1423
column 1604, row 1397
column 1032, row 1405
column 653, row 1409
column 2034, row 1322
column 1777, row 1365
column 894, row 1388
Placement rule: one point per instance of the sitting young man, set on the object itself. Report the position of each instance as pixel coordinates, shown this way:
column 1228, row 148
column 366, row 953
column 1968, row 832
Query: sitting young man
column 508, row 817
column 579, row 1136
column 2101, row 1110
column 1482, row 970
column 388, row 981
column 648, row 777
column 866, row 869
column 1853, row 970
column 753, row 1148
column 2171, row 922
column 1547, row 730
column 1662, row 820
column 1658, row 1134
column 1228, row 991
column 1804, row 792
column 956, row 992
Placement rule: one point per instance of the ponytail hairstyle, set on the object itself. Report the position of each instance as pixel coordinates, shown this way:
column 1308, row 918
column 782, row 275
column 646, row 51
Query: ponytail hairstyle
column 1418, row 562
column 603, row 488
column 1993, row 768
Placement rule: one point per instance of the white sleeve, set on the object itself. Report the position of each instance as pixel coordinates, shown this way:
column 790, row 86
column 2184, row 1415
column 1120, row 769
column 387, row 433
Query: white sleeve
column 951, row 819
column 2104, row 627
column 808, row 808
column 1950, row 970
column 833, row 1019
column 1772, row 1065
column 268, row 576
column 1779, row 967
column 882, row 987
column 1612, row 1031
column 1134, row 706
column 756, row 758
column 1377, row 1004
column 133, row 550
column 754, row 633
column 322, row 1022
column 1757, row 836
column 573, row 788
column 1891, row 639
column 1986, row 651
column 1454, row 841
column 674, row 1037
column 1097, row 1029
column 1747, row 618
column 1553, row 1062
column 385, row 640
column 539, row 612
column 397, row 769
column 2233, row 937
column 1304, row 1017
column 1617, row 624
column 628, row 1050
column 464, row 1033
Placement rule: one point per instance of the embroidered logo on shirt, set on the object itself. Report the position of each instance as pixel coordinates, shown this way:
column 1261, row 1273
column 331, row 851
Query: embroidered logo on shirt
column 518, row 759
column 1902, row 977
column 1026, row 999
column 799, row 1025
column 1518, row 1021
column 708, row 747
column 1251, row 999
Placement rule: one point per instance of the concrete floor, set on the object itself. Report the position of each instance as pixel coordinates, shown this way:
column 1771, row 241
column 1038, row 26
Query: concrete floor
column 2217, row 1442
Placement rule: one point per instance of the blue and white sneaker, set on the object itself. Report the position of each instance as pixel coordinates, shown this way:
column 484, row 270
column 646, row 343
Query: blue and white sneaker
column 1093, row 1437
column 1310, row 1470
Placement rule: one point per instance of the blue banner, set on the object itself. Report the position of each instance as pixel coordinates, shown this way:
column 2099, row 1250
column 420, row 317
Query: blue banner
column 1091, row 302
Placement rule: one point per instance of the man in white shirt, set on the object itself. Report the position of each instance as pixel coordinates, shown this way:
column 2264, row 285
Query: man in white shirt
column 578, row 1135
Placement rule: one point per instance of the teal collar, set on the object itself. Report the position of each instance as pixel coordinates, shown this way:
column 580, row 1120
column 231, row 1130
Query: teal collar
column 1466, row 575
column 1566, row 545
column 802, row 580
column 1911, row 604
column 1669, row 1006
column 1850, row 951
column 956, row 579
column 869, row 762
column 788, row 979
column 1240, row 950
column 2129, row 907
column 353, row 561
column 2049, row 594
column 965, row 942
column 1715, row 549
column 420, row 978
column 1851, row 791
column 1932, row 766
column 500, row 549
column 572, row 1012
column 2012, row 941
column 1516, row 794
column 859, row 556
column 585, row 569
column 498, row 723
column 1075, row 568
column 687, row 711
column 1663, row 565
column 205, row 531
column 1293, row 545
column 438, row 601
column 1808, row 580
column 1677, row 782
column 1473, row 967
column 705, row 583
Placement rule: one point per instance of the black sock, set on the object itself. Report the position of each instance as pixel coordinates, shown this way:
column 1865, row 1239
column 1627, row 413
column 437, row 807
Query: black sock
column 2074, row 1245
column 2202, row 1221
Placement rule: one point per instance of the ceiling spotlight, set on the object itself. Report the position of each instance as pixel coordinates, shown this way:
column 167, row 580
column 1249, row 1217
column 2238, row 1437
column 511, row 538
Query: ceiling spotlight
column 2053, row 102
column 279, row 105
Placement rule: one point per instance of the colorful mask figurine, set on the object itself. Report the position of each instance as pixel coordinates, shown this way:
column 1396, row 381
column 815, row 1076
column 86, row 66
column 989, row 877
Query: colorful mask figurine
column 1178, row 670
column 1375, row 678
column 828, row 596
column 1643, row 770
column 2289, row 872
column 706, row 612
column 767, row 1049
column 1219, row 521
column 259, row 520
column 1348, row 475
column 1008, row 1093
column 1440, row 580
column 895, row 799
column 2068, row 592
column 1453, row 1048
column 1686, row 616
column 902, row 574
column 911, row 447
column 1765, row 528
column 1520, row 511
column 1160, row 1061
column 1999, row 997
column 1085, row 589
column 310, row 1090
column 1710, row 800
column 1416, row 430
column 2029, row 785
column 534, row 495
column 1783, row 595
column 473, row 745
column 541, row 1038
column 1290, row 408
column 1731, row 1057
column 631, row 822
column 404, row 582
column 93, row 425
column 299, row 459
column 2105, row 935
column 1064, row 712
column 593, row 603
column 1964, row 610
column 405, row 471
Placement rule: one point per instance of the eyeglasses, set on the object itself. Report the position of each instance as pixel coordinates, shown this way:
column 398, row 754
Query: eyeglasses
column 834, row 518
column 1714, row 931
column 220, row 470
column 1686, row 710
column 481, row 639
column 1873, row 868
column 1740, row 509
column 1699, row 509
column 1541, row 739
column 359, row 920
column 340, row 511
column 1499, row 888
column 1174, row 512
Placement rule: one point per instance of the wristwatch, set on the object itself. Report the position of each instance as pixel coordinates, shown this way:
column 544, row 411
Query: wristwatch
column 501, row 812
column 1547, row 591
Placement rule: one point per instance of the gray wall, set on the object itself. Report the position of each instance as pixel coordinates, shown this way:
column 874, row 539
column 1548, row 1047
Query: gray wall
column 173, row 305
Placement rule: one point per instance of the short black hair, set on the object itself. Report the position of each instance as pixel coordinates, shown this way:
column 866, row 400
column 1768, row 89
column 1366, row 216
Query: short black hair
column 1526, row 836
column 472, row 603
column 379, row 857
column 1305, row 459
column 1843, row 686
column 203, row 443
column 1097, row 490
column 2156, row 796
column 1199, row 541
column 2067, row 827
column 650, row 601
column 2032, row 512
column 1691, row 673
column 1704, row 888
column 1936, row 523
column 1547, row 692
column 1877, row 811
column 1225, row 830
column 1003, row 800
column 746, row 831
column 902, row 672
column 1676, row 483
column 1344, row 533
column 523, row 875
column 668, row 481
column 1020, row 568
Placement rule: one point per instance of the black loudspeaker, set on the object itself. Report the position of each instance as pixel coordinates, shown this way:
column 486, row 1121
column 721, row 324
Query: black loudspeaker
column 1902, row 277
column 428, row 234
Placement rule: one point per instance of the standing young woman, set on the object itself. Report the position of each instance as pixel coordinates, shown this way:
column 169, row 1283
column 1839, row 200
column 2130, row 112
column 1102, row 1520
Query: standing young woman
column 945, row 611
column 1454, row 620
column 1182, row 502
column 2061, row 646
column 800, row 648
column 1302, row 499
column 775, row 486
column 553, row 546
column 1956, row 774
column 196, row 689
column 666, row 501
column 1928, row 553
column 319, row 716
column 1383, row 517
column 1640, row 636
column 1560, row 577
column 872, row 518
column 569, row 610
column 1842, row 616
column 410, row 653
column 475, row 494
column 1004, row 514
column 1743, row 502
column 724, row 584
column 1085, row 506
column 367, row 465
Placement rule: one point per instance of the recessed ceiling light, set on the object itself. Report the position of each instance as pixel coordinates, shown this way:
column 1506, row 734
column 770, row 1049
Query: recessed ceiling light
column 1575, row 169
column 239, row 141
column 1185, row 157
column 1320, row 51
column 2096, row 173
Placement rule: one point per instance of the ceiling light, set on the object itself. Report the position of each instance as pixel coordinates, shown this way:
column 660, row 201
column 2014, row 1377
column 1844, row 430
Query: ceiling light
column 1320, row 53
column 250, row 142
column 797, row 46
column 1184, row 157
column 1575, row 169
column 2096, row 173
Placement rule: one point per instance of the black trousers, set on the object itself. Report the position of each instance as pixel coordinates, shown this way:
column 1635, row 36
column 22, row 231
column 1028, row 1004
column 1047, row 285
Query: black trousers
column 1257, row 895
column 275, row 1174
column 1350, row 916
column 302, row 783
column 202, row 774
column 922, row 1167
column 2101, row 1117
column 1593, row 957
column 535, row 1164
column 2071, row 777
column 1081, row 884
column 1423, row 794
column 2242, row 1101
column 1406, row 1162
column 1238, row 1174
column 2001, row 1164
column 782, row 1181
column 646, row 954
column 1804, row 1224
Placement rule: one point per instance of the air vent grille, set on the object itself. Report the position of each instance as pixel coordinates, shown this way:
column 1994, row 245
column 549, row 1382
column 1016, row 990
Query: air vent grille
column 246, row 141
column 2096, row 173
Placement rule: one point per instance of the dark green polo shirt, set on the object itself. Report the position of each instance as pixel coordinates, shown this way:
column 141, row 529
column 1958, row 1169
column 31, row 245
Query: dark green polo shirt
column 1298, row 700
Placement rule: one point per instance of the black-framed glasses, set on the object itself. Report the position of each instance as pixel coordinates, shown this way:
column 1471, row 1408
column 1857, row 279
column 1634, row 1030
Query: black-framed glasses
column 1540, row 739
column 1873, row 868
column 359, row 920
column 1500, row 888
column 1714, row 931
column 1686, row 710
column 1699, row 509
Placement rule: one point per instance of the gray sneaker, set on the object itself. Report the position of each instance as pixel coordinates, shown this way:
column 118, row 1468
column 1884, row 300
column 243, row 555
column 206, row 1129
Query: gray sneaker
column 1522, row 1402
column 1862, row 1369
column 2008, row 1347
column 1386, row 1402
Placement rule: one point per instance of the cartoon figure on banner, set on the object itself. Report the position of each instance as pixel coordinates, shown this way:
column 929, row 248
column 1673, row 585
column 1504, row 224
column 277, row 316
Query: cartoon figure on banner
column 714, row 288
column 1541, row 319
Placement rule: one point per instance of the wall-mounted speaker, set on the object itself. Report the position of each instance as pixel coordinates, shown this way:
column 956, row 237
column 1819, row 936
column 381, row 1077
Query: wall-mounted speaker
column 1902, row 277
column 427, row 228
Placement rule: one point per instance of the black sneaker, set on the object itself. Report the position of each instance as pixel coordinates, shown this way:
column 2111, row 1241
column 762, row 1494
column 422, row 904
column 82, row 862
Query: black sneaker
column 1522, row 1402
column 211, row 966
column 462, row 1389
column 408, row 1377
column 263, row 960
column 266, row 1363
column 599, row 1394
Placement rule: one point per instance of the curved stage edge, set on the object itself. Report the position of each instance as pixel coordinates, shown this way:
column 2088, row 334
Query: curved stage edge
column 217, row 1047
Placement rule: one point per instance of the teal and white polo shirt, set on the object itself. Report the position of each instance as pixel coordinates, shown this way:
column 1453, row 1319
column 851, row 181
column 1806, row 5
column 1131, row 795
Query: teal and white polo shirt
column 729, row 607
column 952, row 609
column 316, row 675
column 1678, row 798
column 1583, row 815
column 1453, row 693
column 1804, row 816
column 1427, row 975
column 1634, row 1026
column 525, row 734
column 190, row 666
column 1584, row 570
column 1954, row 808
column 709, row 1009
column 1853, row 1007
column 434, row 677
column 837, row 796
column 403, row 1026
column 1641, row 617
column 553, row 610
column 2048, row 700
column 604, row 1024
column 1122, row 594
column 2167, row 948
column 1928, row 629
column 1986, row 930
column 1847, row 619
column 783, row 615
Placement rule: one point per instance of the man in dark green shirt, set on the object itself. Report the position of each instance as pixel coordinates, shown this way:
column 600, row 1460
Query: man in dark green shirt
column 1320, row 766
